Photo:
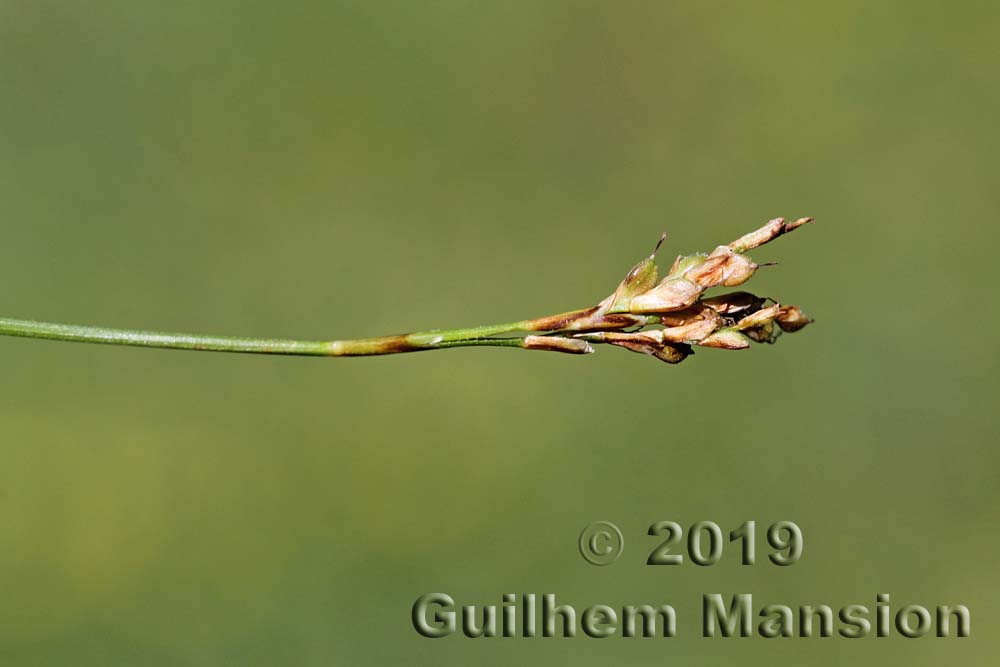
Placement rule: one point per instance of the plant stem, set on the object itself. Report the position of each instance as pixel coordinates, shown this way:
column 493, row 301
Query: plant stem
column 414, row 342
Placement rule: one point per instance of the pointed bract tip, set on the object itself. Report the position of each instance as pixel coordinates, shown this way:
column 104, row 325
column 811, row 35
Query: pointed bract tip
column 656, row 248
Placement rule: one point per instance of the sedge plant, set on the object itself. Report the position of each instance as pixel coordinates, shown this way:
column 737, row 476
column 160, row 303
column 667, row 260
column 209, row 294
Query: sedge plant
column 665, row 318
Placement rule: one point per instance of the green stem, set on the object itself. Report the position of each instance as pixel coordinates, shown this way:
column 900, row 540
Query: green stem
column 430, row 340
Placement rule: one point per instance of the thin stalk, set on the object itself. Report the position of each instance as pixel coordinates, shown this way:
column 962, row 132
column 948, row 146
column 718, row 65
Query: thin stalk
column 414, row 342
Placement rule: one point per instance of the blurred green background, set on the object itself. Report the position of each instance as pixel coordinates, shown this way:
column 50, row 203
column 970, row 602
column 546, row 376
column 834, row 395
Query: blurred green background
column 325, row 170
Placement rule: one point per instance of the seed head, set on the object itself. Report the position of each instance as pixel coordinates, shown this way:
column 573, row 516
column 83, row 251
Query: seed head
column 728, row 321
